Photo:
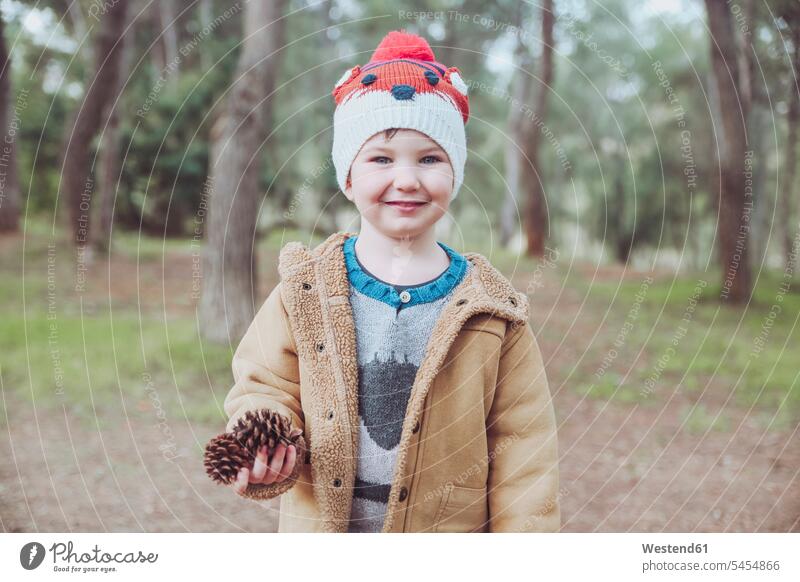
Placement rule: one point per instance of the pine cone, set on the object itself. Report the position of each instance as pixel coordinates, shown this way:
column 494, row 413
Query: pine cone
column 264, row 427
column 224, row 457
column 229, row 452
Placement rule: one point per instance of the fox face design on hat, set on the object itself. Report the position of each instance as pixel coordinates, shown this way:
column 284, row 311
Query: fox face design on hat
column 401, row 86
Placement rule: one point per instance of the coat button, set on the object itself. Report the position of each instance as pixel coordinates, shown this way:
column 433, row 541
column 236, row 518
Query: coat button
column 405, row 296
column 337, row 482
column 415, row 430
column 403, row 494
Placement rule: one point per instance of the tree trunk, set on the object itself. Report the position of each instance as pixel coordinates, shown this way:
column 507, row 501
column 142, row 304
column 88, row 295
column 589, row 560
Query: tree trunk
column 227, row 303
column 758, row 125
column 9, row 182
column 519, row 84
column 80, row 31
column 734, row 207
column 763, row 224
column 169, row 38
column 206, row 15
column 110, row 163
column 792, row 120
column 109, row 179
column 536, row 225
column 618, row 231
column 77, row 180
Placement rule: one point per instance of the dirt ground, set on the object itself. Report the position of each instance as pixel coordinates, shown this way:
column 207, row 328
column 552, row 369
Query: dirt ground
column 623, row 467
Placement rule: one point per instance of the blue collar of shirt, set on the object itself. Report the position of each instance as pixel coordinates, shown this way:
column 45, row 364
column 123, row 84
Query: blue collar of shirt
column 386, row 293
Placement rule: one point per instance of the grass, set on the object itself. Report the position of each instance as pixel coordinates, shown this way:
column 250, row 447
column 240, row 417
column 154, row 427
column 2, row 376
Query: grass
column 80, row 361
column 114, row 358
column 707, row 346
column 56, row 349
column 697, row 420
column 611, row 387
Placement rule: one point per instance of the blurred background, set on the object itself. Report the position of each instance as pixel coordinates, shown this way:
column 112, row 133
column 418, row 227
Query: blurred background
column 632, row 167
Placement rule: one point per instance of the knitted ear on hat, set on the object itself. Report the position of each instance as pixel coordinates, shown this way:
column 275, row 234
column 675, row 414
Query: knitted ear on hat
column 401, row 86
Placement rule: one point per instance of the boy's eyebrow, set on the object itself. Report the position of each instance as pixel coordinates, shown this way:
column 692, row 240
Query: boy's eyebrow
column 380, row 148
column 433, row 148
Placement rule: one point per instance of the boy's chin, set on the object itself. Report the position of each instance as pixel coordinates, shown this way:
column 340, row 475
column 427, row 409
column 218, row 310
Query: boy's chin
column 404, row 232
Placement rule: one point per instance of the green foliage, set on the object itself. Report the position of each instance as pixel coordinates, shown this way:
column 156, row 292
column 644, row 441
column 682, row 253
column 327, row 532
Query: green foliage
column 612, row 161
column 164, row 179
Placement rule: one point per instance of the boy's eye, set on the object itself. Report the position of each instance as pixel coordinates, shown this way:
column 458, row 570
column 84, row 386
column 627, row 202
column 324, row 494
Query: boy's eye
column 430, row 159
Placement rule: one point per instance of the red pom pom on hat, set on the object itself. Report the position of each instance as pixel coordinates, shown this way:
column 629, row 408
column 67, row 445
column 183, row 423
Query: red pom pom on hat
column 399, row 44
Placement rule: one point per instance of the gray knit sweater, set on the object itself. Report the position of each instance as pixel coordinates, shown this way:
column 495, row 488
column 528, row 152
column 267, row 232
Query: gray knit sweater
column 393, row 324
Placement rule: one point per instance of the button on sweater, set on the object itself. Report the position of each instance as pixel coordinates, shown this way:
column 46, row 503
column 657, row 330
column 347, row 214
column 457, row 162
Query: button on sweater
column 393, row 325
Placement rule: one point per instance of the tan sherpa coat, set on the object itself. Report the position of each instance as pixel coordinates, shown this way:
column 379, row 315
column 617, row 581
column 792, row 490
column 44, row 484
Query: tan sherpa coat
column 478, row 447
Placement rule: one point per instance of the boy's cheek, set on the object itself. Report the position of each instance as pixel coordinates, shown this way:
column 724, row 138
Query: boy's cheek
column 369, row 190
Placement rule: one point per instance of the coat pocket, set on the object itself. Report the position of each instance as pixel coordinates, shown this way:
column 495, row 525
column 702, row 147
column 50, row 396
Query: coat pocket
column 462, row 509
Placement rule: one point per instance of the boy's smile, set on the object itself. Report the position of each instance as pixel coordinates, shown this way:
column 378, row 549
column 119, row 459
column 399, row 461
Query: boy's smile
column 402, row 185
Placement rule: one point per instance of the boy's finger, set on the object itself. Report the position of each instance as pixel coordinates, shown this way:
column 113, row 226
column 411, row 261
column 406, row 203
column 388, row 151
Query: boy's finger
column 275, row 464
column 288, row 463
column 241, row 481
column 260, row 466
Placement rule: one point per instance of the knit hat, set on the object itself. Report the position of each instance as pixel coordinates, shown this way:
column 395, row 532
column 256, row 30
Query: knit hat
column 401, row 86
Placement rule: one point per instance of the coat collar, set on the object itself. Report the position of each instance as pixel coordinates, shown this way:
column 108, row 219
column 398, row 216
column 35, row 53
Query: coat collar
column 485, row 289
column 325, row 336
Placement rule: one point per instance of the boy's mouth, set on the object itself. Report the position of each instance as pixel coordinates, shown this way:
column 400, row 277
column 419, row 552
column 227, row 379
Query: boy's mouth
column 406, row 204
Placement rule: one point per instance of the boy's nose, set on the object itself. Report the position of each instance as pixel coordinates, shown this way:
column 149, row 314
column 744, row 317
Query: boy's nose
column 406, row 179
column 403, row 92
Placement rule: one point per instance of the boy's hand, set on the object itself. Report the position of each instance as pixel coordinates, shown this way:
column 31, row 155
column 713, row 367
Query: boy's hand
column 278, row 469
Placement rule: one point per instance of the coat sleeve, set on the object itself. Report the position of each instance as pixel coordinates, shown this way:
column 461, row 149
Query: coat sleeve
column 266, row 375
column 523, row 448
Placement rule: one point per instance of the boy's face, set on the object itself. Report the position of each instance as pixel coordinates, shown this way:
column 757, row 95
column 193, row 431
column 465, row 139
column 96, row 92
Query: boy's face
column 402, row 186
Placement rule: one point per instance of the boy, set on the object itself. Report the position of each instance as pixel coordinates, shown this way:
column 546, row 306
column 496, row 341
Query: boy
column 411, row 368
